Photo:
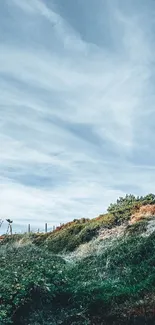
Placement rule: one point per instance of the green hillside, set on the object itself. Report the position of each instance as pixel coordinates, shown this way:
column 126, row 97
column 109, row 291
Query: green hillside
column 99, row 271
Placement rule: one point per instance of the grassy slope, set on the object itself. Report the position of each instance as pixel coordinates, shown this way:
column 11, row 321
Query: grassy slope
column 112, row 284
column 113, row 287
column 69, row 236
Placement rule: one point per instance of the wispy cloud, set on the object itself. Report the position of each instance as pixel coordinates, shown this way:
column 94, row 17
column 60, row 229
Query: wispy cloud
column 77, row 109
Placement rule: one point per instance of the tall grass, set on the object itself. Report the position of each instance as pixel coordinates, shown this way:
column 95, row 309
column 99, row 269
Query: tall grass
column 114, row 285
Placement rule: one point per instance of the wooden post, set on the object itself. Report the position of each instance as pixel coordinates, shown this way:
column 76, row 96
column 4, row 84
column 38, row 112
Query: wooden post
column 29, row 228
column 1, row 221
column 46, row 227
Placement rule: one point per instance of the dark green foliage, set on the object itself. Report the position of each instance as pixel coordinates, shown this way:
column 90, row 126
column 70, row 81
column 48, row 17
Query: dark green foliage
column 38, row 288
column 26, row 274
column 69, row 237
column 137, row 228
column 11, row 239
column 115, row 286
column 148, row 199
column 123, row 274
column 125, row 207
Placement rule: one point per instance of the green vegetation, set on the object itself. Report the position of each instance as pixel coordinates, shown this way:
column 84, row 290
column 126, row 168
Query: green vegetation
column 69, row 237
column 112, row 285
column 125, row 207
column 137, row 228
column 37, row 287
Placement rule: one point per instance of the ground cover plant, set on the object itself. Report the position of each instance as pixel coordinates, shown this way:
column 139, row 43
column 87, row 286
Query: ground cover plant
column 112, row 284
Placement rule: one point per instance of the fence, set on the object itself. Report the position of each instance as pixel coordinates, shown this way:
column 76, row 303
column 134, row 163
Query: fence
column 30, row 229
column 45, row 228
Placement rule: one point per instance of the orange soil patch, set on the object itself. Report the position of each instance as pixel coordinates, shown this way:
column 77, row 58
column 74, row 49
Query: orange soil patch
column 146, row 211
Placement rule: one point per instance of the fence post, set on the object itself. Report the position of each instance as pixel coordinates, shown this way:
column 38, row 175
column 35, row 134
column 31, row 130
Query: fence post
column 29, row 228
column 46, row 227
column 10, row 229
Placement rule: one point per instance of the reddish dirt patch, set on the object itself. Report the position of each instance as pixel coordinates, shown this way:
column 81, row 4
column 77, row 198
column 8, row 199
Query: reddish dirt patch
column 146, row 211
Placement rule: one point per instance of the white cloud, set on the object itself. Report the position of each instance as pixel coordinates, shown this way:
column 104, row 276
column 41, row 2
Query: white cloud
column 73, row 116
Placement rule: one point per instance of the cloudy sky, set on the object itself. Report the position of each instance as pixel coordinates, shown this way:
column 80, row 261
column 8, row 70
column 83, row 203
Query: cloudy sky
column 77, row 107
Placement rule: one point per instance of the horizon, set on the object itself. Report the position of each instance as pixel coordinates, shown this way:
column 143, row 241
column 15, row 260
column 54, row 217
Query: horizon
column 77, row 107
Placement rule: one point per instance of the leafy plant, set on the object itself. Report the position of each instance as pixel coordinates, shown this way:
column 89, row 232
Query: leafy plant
column 41, row 283
column 125, row 207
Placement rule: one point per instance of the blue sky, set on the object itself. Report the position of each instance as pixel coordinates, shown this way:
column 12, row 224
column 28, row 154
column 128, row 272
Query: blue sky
column 77, row 107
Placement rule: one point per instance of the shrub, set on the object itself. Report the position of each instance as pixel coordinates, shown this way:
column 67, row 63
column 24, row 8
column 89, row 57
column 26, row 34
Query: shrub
column 37, row 287
column 125, row 207
column 24, row 272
